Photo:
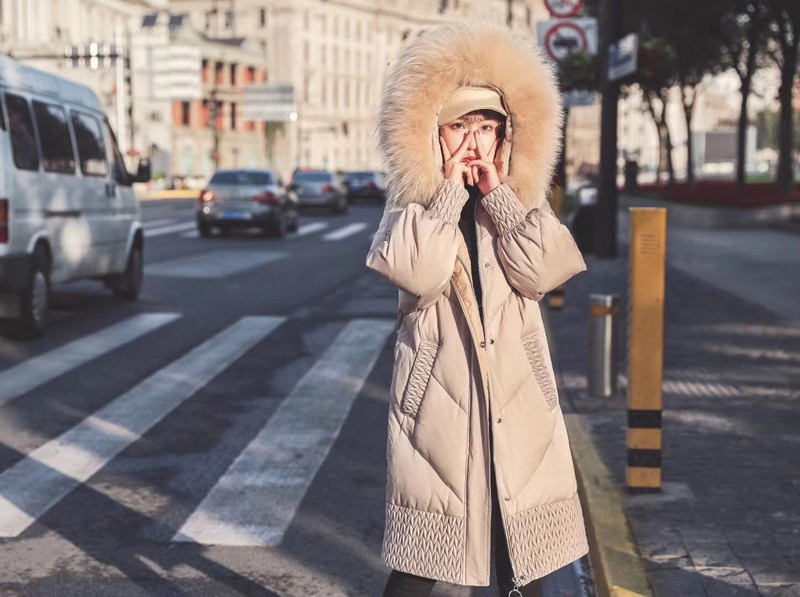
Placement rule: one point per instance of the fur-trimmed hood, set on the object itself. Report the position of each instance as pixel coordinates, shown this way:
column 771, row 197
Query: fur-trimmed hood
column 468, row 53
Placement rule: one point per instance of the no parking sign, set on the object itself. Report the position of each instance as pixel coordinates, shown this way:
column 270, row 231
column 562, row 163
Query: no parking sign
column 561, row 37
column 562, row 9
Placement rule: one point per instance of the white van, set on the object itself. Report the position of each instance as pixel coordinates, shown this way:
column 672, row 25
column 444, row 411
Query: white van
column 67, row 207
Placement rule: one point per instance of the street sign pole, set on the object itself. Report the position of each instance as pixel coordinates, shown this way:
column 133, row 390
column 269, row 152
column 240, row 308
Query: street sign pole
column 606, row 233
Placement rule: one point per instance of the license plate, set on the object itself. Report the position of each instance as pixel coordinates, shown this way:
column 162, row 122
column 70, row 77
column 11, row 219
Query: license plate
column 234, row 215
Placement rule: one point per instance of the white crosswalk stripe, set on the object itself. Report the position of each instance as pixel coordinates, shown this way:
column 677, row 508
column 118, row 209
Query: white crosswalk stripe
column 213, row 264
column 345, row 231
column 149, row 233
column 36, row 483
column 157, row 223
column 311, row 228
column 190, row 234
column 254, row 502
column 39, row 370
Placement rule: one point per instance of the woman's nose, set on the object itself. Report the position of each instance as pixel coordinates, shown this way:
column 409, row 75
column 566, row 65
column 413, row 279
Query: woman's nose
column 472, row 144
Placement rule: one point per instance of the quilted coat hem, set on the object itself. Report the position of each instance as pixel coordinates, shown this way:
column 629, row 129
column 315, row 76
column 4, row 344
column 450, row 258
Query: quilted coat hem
column 545, row 538
column 426, row 544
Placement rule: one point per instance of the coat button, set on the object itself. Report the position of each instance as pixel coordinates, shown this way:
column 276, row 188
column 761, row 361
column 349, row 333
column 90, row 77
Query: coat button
column 508, row 499
column 499, row 420
column 491, row 341
column 487, row 265
column 483, row 344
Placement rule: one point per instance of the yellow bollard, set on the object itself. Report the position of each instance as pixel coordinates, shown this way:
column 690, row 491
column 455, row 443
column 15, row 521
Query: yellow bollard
column 646, row 347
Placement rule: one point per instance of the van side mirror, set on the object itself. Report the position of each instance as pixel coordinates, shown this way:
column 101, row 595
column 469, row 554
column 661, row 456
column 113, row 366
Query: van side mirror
column 143, row 172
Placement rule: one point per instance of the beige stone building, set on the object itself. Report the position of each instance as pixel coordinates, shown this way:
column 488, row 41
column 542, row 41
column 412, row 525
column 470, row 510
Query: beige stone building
column 195, row 124
column 335, row 54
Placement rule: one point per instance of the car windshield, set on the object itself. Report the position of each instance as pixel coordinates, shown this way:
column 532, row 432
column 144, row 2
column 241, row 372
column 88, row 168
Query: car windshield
column 243, row 178
column 312, row 177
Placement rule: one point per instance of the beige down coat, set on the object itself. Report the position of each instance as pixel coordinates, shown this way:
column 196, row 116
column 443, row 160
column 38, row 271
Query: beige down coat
column 457, row 378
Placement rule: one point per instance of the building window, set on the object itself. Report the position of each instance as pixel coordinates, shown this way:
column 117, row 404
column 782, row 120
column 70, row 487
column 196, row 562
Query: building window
column 335, row 25
column 305, row 89
column 262, row 17
column 305, row 20
column 233, row 74
column 186, row 114
column 228, row 19
column 233, row 116
column 305, row 52
column 219, row 72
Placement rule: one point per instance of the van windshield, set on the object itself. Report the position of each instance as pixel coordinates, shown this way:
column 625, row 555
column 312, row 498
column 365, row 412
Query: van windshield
column 312, row 177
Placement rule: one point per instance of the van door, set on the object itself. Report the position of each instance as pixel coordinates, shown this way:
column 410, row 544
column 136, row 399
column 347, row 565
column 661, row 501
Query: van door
column 97, row 195
column 60, row 188
column 123, row 199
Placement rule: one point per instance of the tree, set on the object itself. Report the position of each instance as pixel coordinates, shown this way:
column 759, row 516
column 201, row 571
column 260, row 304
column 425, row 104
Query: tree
column 785, row 30
column 743, row 32
column 693, row 55
column 655, row 76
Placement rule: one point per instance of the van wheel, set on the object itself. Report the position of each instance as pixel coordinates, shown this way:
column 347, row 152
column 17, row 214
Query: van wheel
column 35, row 299
column 130, row 282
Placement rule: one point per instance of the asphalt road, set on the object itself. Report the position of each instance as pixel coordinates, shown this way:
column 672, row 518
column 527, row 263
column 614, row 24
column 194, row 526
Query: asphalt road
column 224, row 435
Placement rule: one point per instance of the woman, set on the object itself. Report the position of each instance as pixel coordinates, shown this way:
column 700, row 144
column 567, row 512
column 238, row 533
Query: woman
column 478, row 455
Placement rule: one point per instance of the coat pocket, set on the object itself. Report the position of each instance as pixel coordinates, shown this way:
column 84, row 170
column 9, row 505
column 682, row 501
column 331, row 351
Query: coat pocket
column 535, row 349
column 419, row 377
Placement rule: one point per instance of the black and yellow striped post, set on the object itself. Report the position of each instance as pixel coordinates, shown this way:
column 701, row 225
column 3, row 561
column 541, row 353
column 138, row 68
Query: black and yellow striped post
column 646, row 347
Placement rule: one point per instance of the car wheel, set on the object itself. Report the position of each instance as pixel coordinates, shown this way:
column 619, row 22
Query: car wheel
column 295, row 225
column 130, row 282
column 278, row 228
column 35, row 298
column 203, row 229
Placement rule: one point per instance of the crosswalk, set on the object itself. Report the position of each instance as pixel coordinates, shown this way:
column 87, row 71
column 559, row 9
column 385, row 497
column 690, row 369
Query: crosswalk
column 159, row 227
column 256, row 499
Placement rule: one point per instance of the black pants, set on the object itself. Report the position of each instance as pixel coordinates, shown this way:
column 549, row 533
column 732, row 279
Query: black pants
column 402, row 584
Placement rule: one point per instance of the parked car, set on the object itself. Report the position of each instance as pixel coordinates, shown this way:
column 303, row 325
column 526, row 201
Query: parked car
column 67, row 206
column 365, row 185
column 320, row 188
column 247, row 199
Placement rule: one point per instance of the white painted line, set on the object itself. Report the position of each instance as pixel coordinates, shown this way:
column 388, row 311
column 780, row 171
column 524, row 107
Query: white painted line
column 39, row 370
column 190, row 234
column 35, row 484
column 213, row 264
column 254, row 502
column 311, row 228
column 345, row 231
column 150, row 224
column 170, row 229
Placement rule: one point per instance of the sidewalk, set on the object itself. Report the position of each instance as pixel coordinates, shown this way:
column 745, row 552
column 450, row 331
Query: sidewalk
column 727, row 523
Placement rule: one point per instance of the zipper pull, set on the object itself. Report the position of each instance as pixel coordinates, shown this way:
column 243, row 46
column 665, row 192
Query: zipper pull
column 515, row 591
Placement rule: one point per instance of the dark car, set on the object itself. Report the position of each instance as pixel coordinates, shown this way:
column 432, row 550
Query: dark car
column 320, row 188
column 365, row 185
column 247, row 199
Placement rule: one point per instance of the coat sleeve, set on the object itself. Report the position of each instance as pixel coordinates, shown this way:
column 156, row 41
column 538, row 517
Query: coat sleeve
column 536, row 251
column 415, row 248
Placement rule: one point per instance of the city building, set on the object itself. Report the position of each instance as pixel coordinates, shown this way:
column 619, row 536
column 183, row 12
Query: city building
column 335, row 54
column 189, row 98
column 83, row 40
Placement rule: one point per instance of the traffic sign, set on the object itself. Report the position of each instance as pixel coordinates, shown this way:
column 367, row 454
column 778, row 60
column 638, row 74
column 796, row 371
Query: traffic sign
column 176, row 73
column 562, row 37
column 622, row 57
column 269, row 102
column 563, row 9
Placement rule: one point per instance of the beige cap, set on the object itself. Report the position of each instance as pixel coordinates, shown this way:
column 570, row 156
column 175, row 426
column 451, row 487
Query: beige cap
column 468, row 99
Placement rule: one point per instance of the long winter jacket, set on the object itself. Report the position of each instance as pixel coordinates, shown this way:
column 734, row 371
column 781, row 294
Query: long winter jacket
column 471, row 397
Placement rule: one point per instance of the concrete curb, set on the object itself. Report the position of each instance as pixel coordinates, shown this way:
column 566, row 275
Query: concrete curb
column 697, row 216
column 617, row 567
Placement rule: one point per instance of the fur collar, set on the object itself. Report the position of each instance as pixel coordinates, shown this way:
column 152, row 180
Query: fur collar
column 425, row 74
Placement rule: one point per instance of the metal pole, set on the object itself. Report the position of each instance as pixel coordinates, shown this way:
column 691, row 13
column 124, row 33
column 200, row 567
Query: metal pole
column 603, row 345
column 606, row 236
column 119, row 63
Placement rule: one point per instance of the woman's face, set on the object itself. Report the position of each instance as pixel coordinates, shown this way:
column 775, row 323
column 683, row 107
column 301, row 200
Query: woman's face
column 488, row 130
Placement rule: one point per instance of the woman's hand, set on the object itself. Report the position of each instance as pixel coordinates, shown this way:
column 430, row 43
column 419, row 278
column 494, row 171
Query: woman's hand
column 454, row 167
column 485, row 170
